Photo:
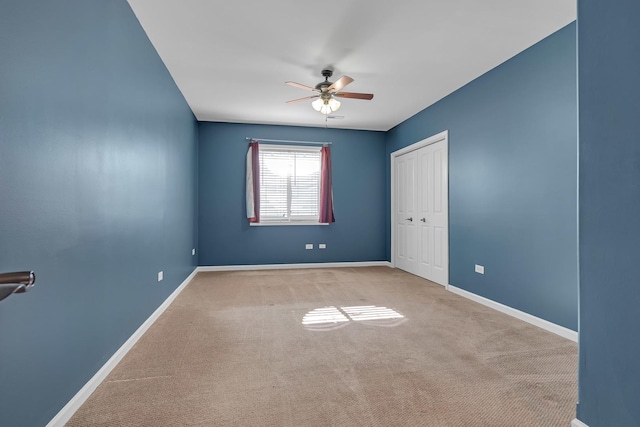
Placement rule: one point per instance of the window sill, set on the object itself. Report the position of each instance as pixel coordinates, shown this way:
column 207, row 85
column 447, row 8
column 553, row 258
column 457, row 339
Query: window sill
column 274, row 223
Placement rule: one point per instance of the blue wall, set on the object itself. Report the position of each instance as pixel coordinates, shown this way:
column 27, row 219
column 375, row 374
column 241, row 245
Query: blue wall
column 225, row 237
column 98, row 160
column 512, row 179
column 609, row 46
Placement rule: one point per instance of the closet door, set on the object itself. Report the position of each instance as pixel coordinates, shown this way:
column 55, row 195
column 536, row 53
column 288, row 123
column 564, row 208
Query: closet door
column 421, row 211
column 406, row 206
column 433, row 213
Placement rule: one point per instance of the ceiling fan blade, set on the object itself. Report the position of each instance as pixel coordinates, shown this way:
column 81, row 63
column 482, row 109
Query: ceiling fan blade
column 293, row 101
column 354, row 95
column 339, row 84
column 298, row 85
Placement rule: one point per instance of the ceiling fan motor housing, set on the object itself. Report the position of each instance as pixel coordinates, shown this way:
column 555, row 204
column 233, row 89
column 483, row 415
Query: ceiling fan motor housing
column 322, row 86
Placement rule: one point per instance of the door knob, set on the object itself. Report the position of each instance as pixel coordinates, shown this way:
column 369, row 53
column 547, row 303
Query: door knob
column 423, row 220
column 410, row 219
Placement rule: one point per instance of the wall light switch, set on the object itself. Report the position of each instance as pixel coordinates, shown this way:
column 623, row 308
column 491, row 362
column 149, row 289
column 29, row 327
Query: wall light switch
column 160, row 276
column 480, row 269
column 308, row 246
column 322, row 246
column 193, row 251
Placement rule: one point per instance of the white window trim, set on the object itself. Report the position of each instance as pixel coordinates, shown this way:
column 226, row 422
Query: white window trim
column 283, row 223
column 280, row 223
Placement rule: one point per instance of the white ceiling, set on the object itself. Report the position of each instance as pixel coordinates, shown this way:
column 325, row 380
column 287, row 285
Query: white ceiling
column 230, row 59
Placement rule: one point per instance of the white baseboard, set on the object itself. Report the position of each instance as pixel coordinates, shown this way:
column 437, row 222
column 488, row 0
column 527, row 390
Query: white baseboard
column 76, row 401
column 204, row 268
column 577, row 423
column 536, row 321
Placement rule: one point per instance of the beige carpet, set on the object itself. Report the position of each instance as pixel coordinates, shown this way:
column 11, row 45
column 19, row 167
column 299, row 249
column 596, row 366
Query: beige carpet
column 232, row 350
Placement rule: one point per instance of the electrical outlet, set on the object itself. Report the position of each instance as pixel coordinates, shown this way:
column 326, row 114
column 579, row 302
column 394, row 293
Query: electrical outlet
column 322, row 246
column 193, row 251
column 480, row 269
column 308, row 246
column 160, row 276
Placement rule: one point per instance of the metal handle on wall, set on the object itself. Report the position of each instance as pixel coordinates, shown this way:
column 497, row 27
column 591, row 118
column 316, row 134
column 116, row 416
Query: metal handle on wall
column 16, row 283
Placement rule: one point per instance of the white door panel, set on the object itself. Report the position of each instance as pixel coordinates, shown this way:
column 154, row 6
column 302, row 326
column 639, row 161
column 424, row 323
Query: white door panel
column 402, row 252
column 437, row 246
column 437, row 186
column 425, row 252
column 412, row 245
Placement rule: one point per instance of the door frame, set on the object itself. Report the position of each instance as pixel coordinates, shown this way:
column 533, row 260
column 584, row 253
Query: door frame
column 442, row 136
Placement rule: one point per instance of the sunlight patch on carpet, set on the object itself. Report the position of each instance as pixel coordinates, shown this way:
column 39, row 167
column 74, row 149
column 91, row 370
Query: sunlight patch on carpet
column 329, row 318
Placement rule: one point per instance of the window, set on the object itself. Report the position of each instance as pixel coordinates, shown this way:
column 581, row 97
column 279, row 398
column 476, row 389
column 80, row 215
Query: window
column 289, row 184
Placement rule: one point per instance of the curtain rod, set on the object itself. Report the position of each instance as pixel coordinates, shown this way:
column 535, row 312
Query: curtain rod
column 287, row 140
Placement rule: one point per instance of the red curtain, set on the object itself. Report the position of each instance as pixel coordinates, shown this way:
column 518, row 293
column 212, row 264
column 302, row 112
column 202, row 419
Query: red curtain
column 326, row 191
column 253, row 182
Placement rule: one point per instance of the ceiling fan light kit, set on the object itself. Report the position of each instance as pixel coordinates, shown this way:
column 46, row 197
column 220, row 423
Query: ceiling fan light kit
column 326, row 101
column 326, row 105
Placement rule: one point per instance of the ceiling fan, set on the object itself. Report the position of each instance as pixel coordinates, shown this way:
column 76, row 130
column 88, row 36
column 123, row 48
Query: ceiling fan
column 328, row 92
